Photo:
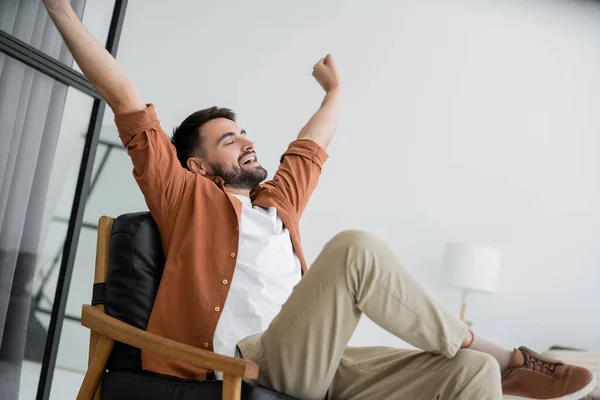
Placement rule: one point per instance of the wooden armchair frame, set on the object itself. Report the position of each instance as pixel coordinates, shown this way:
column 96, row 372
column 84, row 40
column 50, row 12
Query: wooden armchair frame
column 106, row 329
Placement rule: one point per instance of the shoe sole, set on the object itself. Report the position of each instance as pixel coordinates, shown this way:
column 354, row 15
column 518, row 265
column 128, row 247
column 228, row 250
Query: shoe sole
column 573, row 396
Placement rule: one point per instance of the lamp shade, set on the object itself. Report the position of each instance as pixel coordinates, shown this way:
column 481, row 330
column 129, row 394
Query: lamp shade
column 471, row 267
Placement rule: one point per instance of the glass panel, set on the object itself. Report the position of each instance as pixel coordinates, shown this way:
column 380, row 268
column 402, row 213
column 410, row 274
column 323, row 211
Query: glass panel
column 28, row 21
column 66, row 382
column 114, row 192
column 115, row 177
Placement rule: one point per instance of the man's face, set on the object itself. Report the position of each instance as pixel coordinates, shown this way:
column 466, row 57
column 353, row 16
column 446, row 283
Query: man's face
column 230, row 155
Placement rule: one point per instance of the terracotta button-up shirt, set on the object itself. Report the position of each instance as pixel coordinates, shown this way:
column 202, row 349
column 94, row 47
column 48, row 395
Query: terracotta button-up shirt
column 198, row 223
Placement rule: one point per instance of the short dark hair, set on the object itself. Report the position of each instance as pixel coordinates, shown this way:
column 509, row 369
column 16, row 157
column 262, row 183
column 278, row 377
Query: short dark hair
column 187, row 137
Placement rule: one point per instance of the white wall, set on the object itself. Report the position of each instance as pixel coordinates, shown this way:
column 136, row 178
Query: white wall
column 463, row 120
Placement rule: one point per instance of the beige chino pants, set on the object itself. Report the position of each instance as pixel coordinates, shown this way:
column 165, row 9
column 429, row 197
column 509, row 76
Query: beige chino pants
column 304, row 351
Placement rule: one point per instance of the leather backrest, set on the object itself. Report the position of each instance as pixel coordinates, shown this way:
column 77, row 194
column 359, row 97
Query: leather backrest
column 135, row 269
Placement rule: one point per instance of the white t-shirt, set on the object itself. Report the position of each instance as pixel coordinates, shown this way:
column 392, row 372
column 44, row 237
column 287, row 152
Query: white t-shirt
column 266, row 271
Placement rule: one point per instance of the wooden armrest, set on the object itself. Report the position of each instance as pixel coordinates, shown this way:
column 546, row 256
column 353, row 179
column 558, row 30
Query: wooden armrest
column 120, row 331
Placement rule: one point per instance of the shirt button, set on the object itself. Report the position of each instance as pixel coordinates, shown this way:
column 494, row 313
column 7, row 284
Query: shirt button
column 217, row 309
column 206, row 344
column 237, row 228
column 232, row 255
column 224, row 281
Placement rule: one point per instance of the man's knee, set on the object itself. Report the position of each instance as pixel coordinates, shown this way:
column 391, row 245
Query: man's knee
column 353, row 238
column 480, row 373
column 362, row 249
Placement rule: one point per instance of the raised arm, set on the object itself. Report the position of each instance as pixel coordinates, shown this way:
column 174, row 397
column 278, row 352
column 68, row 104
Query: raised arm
column 97, row 64
column 300, row 168
column 321, row 126
column 156, row 168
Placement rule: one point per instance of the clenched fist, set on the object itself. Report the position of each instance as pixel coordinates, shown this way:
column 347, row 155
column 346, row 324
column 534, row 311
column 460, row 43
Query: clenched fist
column 326, row 73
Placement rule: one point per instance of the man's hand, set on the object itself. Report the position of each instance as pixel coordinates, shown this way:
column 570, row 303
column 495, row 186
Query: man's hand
column 326, row 73
column 321, row 127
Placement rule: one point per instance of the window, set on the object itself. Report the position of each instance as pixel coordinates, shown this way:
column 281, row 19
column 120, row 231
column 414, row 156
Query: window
column 50, row 117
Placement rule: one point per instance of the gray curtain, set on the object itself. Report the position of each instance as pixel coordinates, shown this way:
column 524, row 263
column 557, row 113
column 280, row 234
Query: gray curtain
column 31, row 106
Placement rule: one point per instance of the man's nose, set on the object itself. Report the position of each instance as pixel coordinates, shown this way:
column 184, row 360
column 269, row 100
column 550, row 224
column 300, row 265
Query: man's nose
column 248, row 145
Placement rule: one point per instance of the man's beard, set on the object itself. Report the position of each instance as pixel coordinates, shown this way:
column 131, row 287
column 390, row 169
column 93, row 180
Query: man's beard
column 240, row 178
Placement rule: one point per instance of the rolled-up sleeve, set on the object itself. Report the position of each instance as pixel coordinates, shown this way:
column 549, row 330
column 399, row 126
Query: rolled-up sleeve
column 308, row 149
column 156, row 168
column 299, row 172
column 131, row 124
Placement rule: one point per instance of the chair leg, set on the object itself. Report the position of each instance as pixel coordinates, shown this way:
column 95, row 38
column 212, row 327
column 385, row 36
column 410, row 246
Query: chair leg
column 93, row 340
column 232, row 387
column 96, row 367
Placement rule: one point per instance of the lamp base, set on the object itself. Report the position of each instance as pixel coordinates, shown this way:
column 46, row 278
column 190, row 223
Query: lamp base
column 463, row 309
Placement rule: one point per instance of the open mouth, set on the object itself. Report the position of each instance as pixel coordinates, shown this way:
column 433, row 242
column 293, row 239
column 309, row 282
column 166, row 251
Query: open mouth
column 249, row 160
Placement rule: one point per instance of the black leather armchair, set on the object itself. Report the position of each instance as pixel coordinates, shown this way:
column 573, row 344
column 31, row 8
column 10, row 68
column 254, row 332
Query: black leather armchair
column 129, row 265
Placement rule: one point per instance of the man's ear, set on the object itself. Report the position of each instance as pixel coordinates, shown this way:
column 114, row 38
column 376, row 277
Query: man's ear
column 197, row 165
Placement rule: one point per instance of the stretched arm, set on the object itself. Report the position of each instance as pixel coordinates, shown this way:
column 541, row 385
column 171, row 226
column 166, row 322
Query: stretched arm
column 300, row 168
column 321, row 126
column 97, row 64
column 155, row 166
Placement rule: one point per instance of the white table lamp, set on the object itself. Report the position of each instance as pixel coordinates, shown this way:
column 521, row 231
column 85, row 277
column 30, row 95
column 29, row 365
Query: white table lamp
column 471, row 268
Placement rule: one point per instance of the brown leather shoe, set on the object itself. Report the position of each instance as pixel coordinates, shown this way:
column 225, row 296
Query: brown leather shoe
column 532, row 376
